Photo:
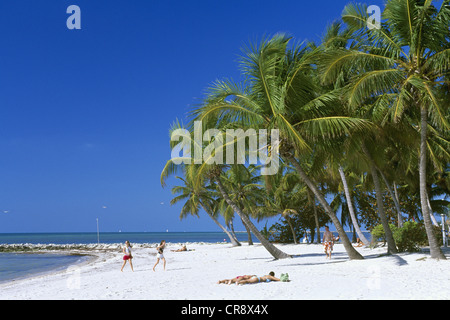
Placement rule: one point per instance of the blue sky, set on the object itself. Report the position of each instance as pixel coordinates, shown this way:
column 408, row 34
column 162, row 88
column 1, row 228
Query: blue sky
column 84, row 114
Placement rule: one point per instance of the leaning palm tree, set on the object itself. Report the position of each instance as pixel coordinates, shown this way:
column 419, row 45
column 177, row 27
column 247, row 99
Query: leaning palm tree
column 195, row 198
column 209, row 172
column 281, row 93
column 214, row 173
column 196, row 194
column 402, row 62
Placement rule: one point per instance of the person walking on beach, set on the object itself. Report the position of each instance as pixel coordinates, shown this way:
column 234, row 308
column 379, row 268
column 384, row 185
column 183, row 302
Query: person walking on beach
column 127, row 255
column 328, row 242
column 160, row 254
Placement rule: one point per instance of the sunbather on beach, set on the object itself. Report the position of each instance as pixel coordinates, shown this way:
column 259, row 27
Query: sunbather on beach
column 255, row 279
column 359, row 243
column 183, row 248
column 234, row 280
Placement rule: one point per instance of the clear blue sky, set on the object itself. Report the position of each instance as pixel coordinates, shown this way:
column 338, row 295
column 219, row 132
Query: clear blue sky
column 84, row 114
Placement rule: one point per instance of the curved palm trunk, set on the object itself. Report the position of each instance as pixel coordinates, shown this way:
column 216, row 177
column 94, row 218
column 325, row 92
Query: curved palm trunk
column 316, row 219
column 400, row 218
column 351, row 251
column 393, row 196
column 249, row 233
column 392, row 248
column 274, row 251
column 288, row 220
column 350, row 208
column 233, row 240
column 435, row 250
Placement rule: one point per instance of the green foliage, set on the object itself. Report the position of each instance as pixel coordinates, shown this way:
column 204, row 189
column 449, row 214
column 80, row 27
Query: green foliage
column 304, row 220
column 268, row 233
column 378, row 232
column 408, row 238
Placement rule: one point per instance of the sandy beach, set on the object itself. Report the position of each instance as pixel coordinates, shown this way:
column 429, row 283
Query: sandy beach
column 193, row 275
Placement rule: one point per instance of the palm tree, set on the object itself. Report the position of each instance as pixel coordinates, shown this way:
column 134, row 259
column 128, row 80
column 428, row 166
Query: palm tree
column 351, row 207
column 196, row 194
column 214, row 174
column 244, row 188
column 211, row 172
column 196, row 198
column 404, row 63
column 281, row 93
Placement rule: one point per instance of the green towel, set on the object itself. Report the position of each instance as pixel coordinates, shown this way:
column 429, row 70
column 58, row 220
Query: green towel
column 284, row 277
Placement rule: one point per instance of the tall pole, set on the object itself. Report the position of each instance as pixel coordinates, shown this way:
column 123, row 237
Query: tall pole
column 444, row 235
column 98, row 235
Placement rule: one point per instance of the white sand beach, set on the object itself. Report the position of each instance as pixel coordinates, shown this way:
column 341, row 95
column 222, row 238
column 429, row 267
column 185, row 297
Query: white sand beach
column 193, row 275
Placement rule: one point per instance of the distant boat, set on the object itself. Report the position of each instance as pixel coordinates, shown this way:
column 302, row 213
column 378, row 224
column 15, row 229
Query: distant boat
column 167, row 230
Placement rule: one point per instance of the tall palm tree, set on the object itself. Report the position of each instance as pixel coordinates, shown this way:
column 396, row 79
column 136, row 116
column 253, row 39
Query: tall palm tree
column 404, row 63
column 281, row 93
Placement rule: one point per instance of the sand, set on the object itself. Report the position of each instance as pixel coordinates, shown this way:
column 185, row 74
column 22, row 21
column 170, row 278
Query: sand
column 193, row 275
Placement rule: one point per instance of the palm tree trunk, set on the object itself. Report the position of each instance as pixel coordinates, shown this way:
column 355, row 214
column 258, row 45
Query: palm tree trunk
column 392, row 248
column 433, row 219
column 232, row 228
column 435, row 250
column 274, row 251
column 288, row 220
column 249, row 233
column 351, row 251
column 391, row 192
column 233, row 240
column 400, row 218
column 316, row 218
column 350, row 208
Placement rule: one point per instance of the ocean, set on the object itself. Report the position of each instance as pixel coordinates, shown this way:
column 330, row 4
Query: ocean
column 18, row 265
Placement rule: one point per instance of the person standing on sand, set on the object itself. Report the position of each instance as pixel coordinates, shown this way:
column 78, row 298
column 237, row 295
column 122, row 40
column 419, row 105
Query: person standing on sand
column 328, row 242
column 160, row 254
column 127, row 255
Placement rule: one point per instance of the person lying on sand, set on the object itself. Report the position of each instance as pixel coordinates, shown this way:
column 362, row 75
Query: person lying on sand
column 358, row 243
column 255, row 279
column 183, row 248
column 234, row 280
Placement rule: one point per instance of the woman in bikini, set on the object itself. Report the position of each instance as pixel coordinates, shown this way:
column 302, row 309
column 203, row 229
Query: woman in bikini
column 254, row 279
column 127, row 255
column 238, row 278
column 160, row 255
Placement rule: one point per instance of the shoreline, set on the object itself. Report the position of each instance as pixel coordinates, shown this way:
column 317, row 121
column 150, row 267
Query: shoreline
column 85, row 258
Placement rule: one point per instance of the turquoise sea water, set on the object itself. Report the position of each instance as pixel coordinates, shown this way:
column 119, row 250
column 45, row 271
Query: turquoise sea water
column 17, row 265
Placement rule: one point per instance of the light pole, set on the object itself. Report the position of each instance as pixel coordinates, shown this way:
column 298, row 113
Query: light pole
column 98, row 235
column 444, row 235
